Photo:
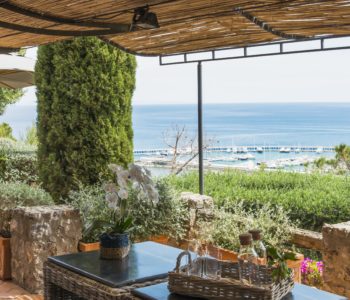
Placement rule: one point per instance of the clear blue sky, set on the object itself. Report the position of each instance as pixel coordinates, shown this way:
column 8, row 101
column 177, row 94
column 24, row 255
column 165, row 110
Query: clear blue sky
column 313, row 77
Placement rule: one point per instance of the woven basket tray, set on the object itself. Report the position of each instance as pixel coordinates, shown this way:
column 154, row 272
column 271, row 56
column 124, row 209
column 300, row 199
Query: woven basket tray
column 229, row 285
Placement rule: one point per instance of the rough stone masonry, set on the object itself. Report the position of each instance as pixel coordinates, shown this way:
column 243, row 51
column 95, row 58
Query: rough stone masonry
column 336, row 256
column 37, row 233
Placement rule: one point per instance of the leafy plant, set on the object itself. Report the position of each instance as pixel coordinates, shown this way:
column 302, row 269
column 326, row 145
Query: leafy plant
column 278, row 260
column 165, row 217
column 135, row 178
column 230, row 222
column 309, row 199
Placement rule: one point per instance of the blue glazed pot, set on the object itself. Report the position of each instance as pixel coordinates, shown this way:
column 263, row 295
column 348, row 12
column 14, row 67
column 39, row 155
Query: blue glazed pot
column 115, row 246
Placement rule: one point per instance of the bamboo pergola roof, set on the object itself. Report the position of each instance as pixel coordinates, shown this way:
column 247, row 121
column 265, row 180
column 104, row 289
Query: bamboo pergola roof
column 184, row 25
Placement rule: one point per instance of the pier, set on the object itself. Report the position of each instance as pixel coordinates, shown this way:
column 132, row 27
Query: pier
column 241, row 149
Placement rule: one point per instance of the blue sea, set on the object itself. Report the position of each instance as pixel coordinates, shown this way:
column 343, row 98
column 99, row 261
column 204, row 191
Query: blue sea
column 300, row 124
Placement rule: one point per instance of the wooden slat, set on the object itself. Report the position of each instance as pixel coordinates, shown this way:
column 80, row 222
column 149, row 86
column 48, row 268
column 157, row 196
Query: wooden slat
column 185, row 26
column 307, row 239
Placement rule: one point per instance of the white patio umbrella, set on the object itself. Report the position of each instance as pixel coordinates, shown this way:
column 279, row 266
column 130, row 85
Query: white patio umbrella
column 16, row 71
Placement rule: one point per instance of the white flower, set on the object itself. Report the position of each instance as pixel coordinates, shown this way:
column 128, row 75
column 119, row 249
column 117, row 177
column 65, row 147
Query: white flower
column 112, row 198
column 136, row 177
column 110, row 187
column 135, row 173
column 122, row 178
column 123, row 194
column 113, row 206
column 152, row 193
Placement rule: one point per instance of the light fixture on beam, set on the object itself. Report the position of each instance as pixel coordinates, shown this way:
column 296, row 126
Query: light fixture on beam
column 144, row 19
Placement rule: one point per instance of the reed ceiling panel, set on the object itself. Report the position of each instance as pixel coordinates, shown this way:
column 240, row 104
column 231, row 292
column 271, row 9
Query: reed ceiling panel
column 185, row 25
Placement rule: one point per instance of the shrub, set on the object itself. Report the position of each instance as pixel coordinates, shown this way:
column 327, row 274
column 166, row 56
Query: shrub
column 229, row 223
column 311, row 199
column 14, row 194
column 6, row 131
column 84, row 91
column 166, row 217
column 16, row 164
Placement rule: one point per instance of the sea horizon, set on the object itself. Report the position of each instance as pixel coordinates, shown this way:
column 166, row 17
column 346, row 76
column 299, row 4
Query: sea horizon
column 260, row 123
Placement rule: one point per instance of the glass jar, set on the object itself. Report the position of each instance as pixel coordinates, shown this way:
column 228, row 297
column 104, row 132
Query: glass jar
column 259, row 246
column 247, row 259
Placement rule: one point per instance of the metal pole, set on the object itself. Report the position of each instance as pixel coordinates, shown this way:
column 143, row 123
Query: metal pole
column 200, row 129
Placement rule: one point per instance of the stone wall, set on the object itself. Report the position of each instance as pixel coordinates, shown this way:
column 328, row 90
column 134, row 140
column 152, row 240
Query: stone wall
column 37, row 233
column 336, row 256
column 5, row 219
column 200, row 208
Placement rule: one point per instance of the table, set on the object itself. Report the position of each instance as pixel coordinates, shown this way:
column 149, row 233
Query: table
column 300, row 292
column 85, row 276
column 143, row 275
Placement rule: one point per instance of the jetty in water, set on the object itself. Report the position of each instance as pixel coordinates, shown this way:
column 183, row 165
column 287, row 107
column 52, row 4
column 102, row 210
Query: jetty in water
column 244, row 149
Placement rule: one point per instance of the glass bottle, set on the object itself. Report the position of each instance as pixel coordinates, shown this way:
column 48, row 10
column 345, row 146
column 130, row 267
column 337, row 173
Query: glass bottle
column 247, row 259
column 259, row 246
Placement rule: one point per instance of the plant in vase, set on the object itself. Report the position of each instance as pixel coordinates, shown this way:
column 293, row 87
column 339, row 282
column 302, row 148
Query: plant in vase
column 277, row 259
column 115, row 242
column 312, row 272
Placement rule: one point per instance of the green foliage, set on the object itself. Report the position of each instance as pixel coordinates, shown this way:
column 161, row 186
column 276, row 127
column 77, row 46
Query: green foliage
column 6, row 131
column 339, row 165
column 84, row 91
column 14, row 194
column 8, row 96
column 17, row 165
column 310, row 199
column 278, row 260
column 166, row 217
column 230, row 222
column 31, row 137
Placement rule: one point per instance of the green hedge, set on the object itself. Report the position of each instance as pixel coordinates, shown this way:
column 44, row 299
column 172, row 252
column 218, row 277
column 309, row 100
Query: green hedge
column 84, row 91
column 311, row 199
column 13, row 194
column 18, row 162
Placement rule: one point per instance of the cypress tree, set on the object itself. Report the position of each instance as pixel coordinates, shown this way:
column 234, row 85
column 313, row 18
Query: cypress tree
column 84, row 91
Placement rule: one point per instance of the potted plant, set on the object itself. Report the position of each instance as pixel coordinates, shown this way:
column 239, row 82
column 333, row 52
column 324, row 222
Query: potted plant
column 115, row 241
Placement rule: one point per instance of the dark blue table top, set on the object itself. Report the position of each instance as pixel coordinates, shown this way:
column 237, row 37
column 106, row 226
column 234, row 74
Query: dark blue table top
column 146, row 261
column 300, row 292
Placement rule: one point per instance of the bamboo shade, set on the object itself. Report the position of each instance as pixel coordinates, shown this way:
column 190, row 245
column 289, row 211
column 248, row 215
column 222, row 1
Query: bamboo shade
column 185, row 25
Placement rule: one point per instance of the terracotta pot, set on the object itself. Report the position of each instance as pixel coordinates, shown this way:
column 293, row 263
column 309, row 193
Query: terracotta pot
column 5, row 258
column 85, row 247
column 221, row 253
column 161, row 239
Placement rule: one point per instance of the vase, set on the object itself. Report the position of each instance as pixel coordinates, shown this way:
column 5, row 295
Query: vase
column 114, row 246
